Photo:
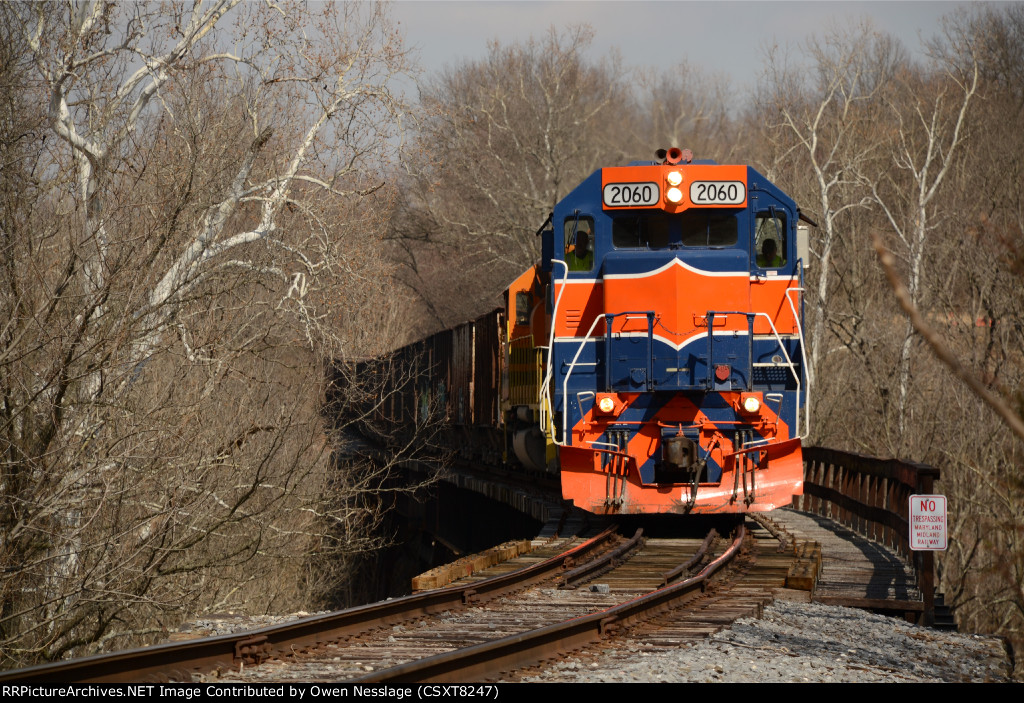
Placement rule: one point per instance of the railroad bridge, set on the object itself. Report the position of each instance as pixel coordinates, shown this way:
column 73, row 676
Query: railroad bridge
column 844, row 545
column 859, row 503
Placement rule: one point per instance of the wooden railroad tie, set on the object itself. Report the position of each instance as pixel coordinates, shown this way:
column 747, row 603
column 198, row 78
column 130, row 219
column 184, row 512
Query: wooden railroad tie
column 806, row 568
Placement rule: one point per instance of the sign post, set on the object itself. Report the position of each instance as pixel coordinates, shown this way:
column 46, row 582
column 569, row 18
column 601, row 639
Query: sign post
column 928, row 534
column 928, row 523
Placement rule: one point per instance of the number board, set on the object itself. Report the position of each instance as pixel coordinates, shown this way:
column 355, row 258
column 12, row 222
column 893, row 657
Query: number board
column 718, row 192
column 644, row 186
column 631, row 194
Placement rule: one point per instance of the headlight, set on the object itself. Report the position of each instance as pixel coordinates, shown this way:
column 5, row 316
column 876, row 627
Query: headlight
column 674, row 178
column 606, row 404
column 751, row 404
column 674, row 195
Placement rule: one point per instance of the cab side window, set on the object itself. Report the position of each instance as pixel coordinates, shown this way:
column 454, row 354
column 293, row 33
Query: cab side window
column 770, row 239
column 579, row 243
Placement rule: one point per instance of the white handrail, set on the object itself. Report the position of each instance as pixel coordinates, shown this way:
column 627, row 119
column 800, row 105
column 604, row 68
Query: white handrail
column 789, row 363
column 545, row 391
column 803, row 346
column 545, row 388
column 565, row 383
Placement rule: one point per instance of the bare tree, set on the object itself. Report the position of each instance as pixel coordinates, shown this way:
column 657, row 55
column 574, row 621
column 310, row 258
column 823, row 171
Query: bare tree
column 509, row 136
column 822, row 118
column 686, row 108
column 930, row 113
column 191, row 230
column 926, row 159
column 941, row 350
column 969, row 312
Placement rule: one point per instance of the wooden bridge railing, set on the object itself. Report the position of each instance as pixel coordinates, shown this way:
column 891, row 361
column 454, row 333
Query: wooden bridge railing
column 871, row 496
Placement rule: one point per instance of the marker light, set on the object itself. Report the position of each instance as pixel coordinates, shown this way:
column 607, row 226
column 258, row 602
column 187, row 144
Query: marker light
column 674, row 178
column 674, row 195
column 606, row 404
column 751, row 404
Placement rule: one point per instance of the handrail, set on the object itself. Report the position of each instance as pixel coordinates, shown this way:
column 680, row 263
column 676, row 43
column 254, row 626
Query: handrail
column 807, row 369
column 545, row 388
column 565, row 383
column 797, row 434
column 634, row 314
column 607, row 317
column 792, row 370
column 709, row 318
column 871, row 496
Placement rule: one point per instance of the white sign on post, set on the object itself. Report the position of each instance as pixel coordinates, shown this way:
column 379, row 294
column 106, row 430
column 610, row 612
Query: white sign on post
column 928, row 523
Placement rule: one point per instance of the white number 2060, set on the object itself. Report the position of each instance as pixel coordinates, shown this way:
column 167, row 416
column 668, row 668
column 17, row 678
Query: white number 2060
column 718, row 192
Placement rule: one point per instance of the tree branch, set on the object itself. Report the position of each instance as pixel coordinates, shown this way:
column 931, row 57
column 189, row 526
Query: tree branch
column 934, row 340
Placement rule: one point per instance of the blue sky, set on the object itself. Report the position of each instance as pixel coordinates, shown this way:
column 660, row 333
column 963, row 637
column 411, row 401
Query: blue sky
column 721, row 37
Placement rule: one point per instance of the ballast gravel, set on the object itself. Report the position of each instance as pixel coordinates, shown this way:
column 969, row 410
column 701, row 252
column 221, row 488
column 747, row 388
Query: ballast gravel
column 791, row 642
column 798, row 642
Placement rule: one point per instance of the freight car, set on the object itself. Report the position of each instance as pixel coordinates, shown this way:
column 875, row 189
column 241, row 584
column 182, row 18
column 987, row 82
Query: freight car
column 653, row 358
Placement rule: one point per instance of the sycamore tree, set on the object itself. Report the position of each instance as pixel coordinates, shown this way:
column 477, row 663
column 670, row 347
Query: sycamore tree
column 924, row 141
column 821, row 123
column 953, row 256
column 192, row 199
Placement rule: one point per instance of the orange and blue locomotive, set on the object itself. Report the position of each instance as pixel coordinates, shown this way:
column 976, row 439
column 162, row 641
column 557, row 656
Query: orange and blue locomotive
column 654, row 357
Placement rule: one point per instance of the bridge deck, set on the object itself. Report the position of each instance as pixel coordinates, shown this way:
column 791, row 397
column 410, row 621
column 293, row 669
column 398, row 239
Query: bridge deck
column 856, row 571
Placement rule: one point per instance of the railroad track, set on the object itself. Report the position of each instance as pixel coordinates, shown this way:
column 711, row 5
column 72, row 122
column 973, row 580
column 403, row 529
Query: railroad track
column 469, row 631
column 632, row 590
column 514, row 630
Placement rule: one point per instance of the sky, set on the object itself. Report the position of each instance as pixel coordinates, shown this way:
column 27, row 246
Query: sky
column 727, row 37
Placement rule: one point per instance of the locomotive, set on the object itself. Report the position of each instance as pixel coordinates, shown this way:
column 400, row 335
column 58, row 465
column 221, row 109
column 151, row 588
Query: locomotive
column 655, row 353
column 652, row 358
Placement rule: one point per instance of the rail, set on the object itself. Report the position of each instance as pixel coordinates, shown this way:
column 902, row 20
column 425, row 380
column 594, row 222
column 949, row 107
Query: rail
column 648, row 315
column 872, row 497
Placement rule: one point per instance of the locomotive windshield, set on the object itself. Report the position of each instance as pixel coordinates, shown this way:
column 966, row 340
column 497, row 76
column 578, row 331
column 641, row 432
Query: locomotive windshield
column 692, row 228
column 650, row 230
column 709, row 228
column 579, row 243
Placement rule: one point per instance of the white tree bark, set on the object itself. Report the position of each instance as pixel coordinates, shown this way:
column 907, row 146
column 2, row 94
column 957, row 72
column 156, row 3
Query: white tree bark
column 830, row 125
column 930, row 132
column 200, row 207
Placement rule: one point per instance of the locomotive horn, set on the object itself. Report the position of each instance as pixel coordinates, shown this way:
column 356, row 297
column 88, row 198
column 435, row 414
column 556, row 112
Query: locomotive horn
column 674, row 155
